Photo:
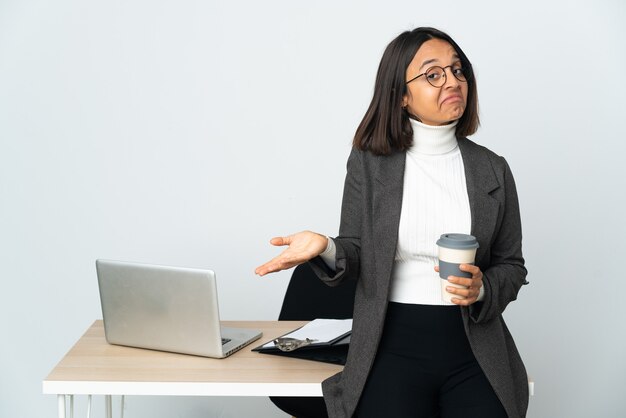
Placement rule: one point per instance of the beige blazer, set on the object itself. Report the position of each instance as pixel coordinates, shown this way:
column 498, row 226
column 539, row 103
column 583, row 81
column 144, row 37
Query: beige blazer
column 366, row 246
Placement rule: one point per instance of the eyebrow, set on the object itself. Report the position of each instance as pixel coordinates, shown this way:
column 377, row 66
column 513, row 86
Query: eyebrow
column 435, row 60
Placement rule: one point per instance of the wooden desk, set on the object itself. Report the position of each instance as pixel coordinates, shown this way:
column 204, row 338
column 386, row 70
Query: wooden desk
column 94, row 367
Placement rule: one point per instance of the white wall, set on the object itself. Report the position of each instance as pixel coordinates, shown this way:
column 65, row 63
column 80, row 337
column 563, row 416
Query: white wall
column 190, row 132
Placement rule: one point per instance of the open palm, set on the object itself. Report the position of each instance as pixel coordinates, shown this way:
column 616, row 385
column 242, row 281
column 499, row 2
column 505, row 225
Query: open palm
column 302, row 247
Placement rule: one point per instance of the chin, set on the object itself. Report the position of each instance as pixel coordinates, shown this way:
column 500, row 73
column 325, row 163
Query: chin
column 452, row 118
column 456, row 115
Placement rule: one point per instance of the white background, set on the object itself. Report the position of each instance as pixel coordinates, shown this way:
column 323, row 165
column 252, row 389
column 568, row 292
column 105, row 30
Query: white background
column 190, row 132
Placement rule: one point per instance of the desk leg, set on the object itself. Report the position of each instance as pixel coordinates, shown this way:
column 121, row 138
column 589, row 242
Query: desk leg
column 108, row 406
column 61, row 405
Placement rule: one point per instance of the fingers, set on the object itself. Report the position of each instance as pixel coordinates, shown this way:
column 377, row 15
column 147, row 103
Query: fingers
column 285, row 260
column 278, row 241
column 476, row 281
column 461, row 291
column 463, row 302
column 266, row 268
column 468, row 294
column 461, row 281
column 470, row 268
column 277, row 264
column 272, row 267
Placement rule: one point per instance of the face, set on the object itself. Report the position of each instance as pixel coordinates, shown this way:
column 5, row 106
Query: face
column 433, row 105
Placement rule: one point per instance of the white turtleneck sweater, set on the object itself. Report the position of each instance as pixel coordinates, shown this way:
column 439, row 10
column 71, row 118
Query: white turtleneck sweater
column 434, row 202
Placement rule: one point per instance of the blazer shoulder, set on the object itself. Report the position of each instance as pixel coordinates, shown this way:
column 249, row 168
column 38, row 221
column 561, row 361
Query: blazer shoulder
column 369, row 155
column 373, row 162
column 480, row 152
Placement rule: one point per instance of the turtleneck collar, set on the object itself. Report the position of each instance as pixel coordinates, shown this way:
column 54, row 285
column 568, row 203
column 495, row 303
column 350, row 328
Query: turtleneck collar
column 433, row 140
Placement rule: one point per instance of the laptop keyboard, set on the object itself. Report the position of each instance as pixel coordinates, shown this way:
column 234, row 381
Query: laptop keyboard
column 225, row 340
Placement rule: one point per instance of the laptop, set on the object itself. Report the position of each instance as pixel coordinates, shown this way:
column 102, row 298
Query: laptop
column 165, row 308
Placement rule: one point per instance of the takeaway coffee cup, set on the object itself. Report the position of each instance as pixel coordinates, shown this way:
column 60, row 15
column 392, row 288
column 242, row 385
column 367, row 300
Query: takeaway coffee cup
column 454, row 249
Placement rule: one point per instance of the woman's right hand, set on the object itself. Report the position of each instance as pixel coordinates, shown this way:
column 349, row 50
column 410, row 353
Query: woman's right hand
column 303, row 246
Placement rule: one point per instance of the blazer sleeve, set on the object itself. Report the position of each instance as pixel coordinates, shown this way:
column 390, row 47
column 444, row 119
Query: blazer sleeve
column 348, row 243
column 505, row 274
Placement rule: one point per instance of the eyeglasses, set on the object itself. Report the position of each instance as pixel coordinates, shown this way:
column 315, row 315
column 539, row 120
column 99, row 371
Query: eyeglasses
column 437, row 76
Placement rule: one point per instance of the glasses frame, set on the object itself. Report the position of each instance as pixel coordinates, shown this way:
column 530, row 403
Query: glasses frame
column 445, row 75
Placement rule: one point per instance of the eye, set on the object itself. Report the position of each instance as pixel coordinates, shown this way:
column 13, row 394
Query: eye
column 434, row 73
column 458, row 71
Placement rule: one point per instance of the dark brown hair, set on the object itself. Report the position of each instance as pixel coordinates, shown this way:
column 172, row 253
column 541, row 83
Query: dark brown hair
column 386, row 126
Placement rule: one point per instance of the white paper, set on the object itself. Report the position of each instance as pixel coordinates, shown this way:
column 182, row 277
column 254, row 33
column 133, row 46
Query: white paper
column 320, row 330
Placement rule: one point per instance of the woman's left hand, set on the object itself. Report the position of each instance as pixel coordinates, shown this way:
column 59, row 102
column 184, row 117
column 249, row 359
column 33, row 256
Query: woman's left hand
column 473, row 285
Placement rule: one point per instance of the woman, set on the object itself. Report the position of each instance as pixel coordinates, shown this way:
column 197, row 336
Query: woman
column 413, row 175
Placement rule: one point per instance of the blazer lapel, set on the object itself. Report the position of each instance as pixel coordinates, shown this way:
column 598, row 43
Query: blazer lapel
column 481, row 182
column 387, row 187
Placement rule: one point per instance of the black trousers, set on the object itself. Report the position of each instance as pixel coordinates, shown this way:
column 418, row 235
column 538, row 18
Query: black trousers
column 425, row 368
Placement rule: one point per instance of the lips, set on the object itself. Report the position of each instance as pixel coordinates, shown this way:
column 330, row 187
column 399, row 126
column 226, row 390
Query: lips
column 452, row 98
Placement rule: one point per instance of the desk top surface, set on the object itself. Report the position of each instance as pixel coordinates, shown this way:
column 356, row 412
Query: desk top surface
column 93, row 366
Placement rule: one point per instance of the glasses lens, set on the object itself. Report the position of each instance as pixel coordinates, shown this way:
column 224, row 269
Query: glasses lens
column 459, row 73
column 436, row 76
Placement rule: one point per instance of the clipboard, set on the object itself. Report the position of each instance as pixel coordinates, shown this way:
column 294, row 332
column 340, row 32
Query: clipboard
column 327, row 350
